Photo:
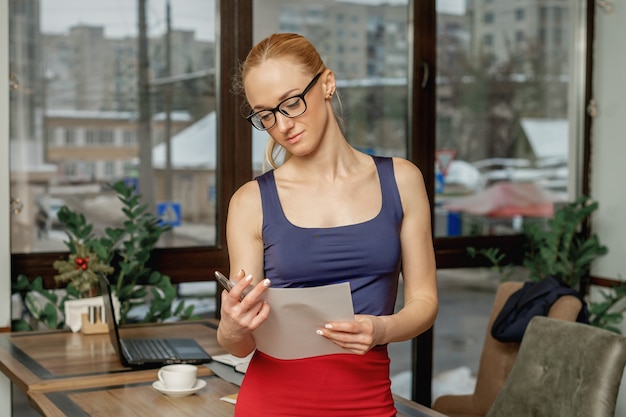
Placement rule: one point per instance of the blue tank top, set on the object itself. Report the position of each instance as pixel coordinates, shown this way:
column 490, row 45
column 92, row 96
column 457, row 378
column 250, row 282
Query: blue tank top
column 367, row 255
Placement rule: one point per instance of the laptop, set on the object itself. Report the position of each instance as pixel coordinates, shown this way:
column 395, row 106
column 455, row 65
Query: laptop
column 148, row 353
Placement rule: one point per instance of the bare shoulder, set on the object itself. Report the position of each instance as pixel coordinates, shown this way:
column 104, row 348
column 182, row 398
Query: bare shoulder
column 249, row 190
column 411, row 185
column 407, row 173
column 246, row 200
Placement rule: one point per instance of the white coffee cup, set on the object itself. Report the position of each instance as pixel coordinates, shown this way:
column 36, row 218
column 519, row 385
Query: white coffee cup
column 178, row 377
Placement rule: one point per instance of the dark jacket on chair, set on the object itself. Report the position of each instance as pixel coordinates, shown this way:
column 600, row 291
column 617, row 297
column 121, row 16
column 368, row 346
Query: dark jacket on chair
column 533, row 299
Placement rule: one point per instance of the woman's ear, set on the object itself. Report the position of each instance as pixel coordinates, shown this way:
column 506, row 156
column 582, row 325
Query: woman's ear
column 329, row 84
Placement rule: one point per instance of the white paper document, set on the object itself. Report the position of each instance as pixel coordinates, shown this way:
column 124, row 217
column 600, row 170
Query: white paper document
column 296, row 313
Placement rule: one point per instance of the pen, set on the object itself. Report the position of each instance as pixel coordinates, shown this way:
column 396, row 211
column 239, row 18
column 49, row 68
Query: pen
column 227, row 284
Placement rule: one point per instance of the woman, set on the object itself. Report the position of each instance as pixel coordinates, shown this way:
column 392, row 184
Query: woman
column 328, row 214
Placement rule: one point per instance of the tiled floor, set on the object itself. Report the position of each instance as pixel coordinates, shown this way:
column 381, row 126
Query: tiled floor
column 465, row 299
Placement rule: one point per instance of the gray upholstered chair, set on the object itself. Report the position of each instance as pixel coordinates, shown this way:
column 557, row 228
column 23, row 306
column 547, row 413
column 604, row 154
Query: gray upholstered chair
column 497, row 358
column 563, row 369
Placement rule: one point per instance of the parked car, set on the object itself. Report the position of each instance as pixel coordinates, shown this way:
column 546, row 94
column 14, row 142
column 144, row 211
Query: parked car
column 51, row 206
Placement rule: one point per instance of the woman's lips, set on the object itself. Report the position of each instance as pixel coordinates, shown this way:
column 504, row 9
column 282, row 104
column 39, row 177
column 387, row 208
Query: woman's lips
column 295, row 138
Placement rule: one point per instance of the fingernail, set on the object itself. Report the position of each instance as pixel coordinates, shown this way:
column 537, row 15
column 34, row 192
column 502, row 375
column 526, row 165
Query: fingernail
column 266, row 282
column 318, row 331
column 328, row 326
column 248, row 278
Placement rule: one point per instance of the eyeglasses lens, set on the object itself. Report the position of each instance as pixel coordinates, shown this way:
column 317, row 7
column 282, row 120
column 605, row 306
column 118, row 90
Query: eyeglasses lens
column 292, row 107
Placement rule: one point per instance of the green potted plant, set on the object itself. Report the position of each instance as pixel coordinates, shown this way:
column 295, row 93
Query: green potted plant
column 42, row 307
column 560, row 249
column 122, row 253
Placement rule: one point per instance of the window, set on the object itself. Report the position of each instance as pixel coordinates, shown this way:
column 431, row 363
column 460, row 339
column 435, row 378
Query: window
column 162, row 121
column 507, row 118
column 70, row 137
column 129, row 137
column 91, row 137
column 372, row 78
column 105, row 137
column 558, row 17
column 504, row 102
column 89, row 170
column 488, row 40
column 109, row 169
column 70, row 170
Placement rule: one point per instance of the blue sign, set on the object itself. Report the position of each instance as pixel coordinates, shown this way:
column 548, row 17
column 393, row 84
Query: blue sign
column 454, row 224
column 169, row 213
column 440, row 182
column 132, row 182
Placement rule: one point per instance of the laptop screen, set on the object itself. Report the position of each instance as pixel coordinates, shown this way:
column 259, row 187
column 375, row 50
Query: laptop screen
column 109, row 312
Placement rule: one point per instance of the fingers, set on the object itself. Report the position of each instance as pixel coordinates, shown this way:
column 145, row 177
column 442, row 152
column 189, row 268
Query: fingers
column 254, row 292
column 352, row 343
column 260, row 316
column 354, row 336
column 243, row 308
column 239, row 290
column 244, row 286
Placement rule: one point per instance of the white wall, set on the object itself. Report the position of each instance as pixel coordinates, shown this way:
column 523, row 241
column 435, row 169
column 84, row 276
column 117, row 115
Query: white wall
column 608, row 149
column 5, row 249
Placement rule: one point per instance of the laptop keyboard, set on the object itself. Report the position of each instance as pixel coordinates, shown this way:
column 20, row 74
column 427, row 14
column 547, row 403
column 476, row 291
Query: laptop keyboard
column 149, row 349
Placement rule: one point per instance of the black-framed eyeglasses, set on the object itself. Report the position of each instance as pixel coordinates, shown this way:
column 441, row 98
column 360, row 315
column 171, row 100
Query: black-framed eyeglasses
column 289, row 107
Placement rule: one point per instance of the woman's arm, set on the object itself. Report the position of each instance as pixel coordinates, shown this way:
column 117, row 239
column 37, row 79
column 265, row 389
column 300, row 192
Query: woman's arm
column 418, row 259
column 245, row 250
column 418, row 273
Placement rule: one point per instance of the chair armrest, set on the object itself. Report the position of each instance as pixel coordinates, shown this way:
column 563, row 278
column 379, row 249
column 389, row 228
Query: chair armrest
column 457, row 406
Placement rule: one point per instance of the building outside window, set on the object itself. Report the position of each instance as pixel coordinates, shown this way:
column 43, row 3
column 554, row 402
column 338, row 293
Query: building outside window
column 86, row 57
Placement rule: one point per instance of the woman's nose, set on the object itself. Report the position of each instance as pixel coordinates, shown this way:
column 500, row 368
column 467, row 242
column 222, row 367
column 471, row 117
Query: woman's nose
column 283, row 122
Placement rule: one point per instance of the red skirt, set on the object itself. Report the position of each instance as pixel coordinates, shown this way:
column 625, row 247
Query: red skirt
column 341, row 385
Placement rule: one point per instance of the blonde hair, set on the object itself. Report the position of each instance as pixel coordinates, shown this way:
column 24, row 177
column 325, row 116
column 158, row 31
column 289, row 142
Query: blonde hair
column 291, row 46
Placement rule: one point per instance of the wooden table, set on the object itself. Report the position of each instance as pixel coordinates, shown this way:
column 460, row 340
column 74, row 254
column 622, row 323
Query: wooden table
column 71, row 374
column 135, row 399
column 57, row 360
column 139, row 399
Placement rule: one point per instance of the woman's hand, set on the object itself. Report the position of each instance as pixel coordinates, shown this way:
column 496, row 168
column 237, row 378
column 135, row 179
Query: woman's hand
column 358, row 336
column 240, row 314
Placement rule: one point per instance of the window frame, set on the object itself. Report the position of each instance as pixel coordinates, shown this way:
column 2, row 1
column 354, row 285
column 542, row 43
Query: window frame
column 234, row 156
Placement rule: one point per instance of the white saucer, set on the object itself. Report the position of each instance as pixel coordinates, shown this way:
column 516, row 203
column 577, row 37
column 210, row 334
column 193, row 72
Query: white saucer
column 158, row 385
